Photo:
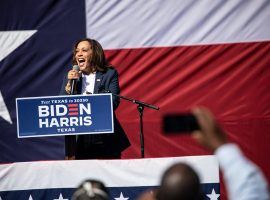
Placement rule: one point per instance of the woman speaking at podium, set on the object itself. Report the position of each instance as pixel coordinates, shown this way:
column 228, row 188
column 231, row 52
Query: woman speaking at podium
column 93, row 74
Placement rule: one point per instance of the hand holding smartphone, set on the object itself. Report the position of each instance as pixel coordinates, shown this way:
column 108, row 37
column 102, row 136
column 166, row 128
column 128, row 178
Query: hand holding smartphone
column 180, row 123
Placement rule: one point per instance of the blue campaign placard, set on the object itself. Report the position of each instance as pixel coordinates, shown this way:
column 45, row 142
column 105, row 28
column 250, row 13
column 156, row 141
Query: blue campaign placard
column 64, row 115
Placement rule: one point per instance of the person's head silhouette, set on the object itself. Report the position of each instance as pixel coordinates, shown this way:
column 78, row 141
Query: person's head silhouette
column 180, row 181
column 91, row 190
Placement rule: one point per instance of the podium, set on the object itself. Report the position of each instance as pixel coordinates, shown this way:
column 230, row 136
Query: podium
column 64, row 115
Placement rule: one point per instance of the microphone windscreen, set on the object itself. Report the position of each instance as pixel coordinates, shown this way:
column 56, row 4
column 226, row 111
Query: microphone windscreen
column 76, row 68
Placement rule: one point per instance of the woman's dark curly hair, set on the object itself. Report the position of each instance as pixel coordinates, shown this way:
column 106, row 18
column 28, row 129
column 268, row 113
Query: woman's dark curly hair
column 98, row 61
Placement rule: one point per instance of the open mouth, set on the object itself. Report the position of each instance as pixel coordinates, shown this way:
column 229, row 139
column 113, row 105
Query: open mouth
column 81, row 61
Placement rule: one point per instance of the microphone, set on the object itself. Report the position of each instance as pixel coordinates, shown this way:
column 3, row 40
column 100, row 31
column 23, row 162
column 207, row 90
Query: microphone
column 74, row 81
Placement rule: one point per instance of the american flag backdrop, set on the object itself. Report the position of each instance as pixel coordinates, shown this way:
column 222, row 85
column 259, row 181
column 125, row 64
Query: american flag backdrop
column 174, row 54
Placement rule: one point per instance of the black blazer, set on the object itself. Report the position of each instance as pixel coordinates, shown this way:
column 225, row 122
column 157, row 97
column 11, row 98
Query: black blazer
column 113, row 143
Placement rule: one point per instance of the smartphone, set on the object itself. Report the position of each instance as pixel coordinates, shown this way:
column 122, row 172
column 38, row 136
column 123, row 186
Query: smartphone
column 180, row 123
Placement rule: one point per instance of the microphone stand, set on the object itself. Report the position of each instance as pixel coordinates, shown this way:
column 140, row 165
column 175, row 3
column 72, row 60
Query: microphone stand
column 140, row 108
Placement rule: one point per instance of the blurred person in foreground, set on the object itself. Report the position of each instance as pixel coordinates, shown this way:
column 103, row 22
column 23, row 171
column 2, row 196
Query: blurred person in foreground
column 243, row 179
column 148, row 195
column 91, row 190
column 180, row 181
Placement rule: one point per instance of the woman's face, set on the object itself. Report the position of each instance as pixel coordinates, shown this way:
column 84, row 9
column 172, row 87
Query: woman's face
column 83, row 55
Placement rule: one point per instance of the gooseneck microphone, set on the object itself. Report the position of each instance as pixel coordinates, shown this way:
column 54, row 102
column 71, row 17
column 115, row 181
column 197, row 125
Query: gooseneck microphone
column 74, row 81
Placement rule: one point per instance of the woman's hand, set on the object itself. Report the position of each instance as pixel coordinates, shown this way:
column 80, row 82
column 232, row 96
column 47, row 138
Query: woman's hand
column 72, row 75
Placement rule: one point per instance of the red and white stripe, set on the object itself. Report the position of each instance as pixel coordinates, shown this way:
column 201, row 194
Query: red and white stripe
column 179, row 54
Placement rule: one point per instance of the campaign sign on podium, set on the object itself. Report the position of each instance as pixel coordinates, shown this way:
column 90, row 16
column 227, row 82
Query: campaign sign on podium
column 64, row 115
